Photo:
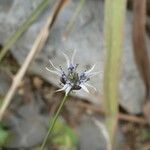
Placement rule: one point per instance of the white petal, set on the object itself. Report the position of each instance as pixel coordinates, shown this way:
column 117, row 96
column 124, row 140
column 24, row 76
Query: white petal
column 67, row 59
column 54, row 66
column 68, row 89
column 88, row 71
column 89, row 85
column 84, row 88
column 63, row 88
column 73, row 55
column 53, row 71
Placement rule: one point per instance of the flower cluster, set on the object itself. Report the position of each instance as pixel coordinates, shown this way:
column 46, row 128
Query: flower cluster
column 71, row 79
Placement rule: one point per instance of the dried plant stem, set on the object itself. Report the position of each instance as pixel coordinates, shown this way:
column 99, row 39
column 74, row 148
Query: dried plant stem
column 54, row 121
column 121, row 116
column 16, row 81
column 113, row 26
column 14, row 37
column 139, row 42
column 37, row 46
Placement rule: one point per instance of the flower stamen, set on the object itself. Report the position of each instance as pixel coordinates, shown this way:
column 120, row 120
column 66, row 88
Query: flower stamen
column 71, row 79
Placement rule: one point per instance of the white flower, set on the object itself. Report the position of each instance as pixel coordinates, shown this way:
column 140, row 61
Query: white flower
column 71, row 79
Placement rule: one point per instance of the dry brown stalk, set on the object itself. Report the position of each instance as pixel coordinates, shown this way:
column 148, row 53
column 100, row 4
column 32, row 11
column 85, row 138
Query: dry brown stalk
column 37, row 46
column 139, row 42
column 121, row 116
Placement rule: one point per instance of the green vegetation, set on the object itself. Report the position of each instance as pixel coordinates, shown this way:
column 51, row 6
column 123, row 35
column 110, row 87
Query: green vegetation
column 113, row 28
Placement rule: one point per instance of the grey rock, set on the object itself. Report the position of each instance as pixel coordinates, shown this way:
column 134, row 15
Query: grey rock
column 91, row 136
column 28, row 127
column 86, row 37
column 132, row 89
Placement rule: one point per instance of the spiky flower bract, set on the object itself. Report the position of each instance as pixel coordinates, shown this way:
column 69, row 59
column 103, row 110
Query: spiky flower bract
column 71, row 79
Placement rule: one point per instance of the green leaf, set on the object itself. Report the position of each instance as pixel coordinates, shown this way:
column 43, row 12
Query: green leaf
column 145, row 134
column 114, row 18
column 3, row 135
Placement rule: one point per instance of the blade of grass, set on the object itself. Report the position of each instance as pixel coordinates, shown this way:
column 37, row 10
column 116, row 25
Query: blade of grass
column 74, row 17
column 14, row 37
column 113, row 28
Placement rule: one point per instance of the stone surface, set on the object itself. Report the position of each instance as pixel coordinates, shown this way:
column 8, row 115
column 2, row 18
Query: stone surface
column 86, row 37
column 91, row 136
column 27, row 127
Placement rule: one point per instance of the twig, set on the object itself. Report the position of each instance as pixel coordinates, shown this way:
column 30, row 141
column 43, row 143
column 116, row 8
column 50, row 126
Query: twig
column 37, row 46
column 139, row 42
column 132, row 118
column 121, row 116
column 140, row 49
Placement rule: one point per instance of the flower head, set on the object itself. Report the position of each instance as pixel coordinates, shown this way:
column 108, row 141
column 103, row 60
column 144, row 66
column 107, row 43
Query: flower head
column 71, row 79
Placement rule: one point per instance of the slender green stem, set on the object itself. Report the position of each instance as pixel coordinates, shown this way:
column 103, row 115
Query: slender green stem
column 54, row 121
column 114, row 33
column 14, row 37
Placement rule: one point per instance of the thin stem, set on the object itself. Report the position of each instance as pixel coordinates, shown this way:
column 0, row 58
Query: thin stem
column 37, row 46
column 74, row 17
column 54, row 121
